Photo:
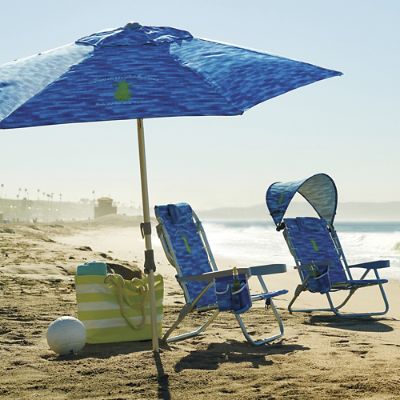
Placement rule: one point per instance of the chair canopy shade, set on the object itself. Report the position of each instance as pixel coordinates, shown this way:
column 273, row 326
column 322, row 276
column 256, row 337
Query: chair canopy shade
column 143, row 72
column 319, row 190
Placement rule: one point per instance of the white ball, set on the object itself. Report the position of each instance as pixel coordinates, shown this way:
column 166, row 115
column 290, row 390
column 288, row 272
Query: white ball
column 66, row 335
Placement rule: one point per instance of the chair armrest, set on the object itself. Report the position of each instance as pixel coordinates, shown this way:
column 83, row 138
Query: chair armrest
column 372, row 264
column 268, row 269
column 209, row 276
column 256, row 270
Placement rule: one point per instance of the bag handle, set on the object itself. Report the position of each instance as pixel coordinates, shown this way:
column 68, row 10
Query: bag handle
column 117, row 282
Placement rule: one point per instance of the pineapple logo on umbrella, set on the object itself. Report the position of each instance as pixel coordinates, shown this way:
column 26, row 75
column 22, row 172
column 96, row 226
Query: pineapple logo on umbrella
column 123, row 92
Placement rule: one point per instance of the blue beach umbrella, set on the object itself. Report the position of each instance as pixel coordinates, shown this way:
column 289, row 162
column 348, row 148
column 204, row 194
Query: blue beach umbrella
column 137, row 72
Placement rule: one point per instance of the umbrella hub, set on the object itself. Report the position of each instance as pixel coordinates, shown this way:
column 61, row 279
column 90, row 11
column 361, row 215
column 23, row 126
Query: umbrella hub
column 134, row 34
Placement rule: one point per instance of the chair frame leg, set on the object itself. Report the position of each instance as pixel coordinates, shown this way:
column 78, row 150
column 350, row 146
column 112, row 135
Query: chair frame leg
column 187, row 309
column 190, row 334
column 335, row 309
column 269, row 339
column 356, row 315
column 277, row 317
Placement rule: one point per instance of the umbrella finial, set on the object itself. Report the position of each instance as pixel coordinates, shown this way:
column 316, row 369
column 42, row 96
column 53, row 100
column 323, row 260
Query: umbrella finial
column 133, row 25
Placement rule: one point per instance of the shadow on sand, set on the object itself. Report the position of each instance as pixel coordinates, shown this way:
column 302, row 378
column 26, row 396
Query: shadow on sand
column 208, row 359
column 365, row 324
column 162, row 379
column 233, row 352
column 107, row 350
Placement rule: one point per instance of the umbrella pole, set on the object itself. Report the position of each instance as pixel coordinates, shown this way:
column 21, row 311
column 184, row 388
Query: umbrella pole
column 149, row 265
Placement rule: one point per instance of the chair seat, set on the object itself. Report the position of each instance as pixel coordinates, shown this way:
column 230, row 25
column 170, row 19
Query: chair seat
column 352, row 284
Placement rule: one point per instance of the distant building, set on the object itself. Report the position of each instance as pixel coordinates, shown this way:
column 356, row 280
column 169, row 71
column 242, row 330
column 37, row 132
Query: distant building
column 104, row 207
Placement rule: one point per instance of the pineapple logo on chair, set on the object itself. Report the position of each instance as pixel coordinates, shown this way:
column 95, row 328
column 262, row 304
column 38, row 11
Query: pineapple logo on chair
column 123, row 92
column 314, row 245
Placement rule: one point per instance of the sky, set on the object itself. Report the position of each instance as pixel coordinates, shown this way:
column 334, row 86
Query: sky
column 348, row 126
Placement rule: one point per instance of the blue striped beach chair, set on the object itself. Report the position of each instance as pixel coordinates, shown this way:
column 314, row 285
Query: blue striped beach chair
column 205, row 288
column 316, row 248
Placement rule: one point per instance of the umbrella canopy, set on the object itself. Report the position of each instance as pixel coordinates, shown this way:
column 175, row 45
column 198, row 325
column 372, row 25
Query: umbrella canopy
column 137, row 72
column 319, row 190
column 143, row 72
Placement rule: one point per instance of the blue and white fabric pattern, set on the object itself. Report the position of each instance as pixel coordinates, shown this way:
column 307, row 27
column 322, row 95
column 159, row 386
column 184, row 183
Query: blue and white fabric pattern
column 310, row 240
column 188, row 247
column 143, row 72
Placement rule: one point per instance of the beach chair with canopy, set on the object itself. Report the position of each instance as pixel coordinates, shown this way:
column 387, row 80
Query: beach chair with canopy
column 316, row 248
column 205, row 288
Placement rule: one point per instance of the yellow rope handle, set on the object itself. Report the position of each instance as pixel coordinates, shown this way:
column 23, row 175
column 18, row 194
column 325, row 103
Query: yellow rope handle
column 117, row 282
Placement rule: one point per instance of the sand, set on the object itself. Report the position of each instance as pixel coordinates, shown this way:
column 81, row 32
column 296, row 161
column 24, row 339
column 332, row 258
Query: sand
column 320, row 356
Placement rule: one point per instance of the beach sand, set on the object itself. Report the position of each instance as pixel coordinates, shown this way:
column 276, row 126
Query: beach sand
column 320, row 356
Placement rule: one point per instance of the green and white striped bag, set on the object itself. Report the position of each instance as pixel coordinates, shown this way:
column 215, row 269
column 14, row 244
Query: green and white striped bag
column 114, row 309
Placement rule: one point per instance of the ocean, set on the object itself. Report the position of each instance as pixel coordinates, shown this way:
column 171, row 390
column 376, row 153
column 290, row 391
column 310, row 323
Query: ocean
column 257, row 242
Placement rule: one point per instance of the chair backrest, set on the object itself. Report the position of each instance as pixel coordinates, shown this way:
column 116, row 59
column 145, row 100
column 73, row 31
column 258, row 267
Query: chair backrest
column 187, row 248
column 311, row 243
